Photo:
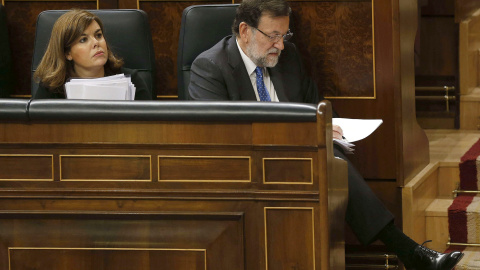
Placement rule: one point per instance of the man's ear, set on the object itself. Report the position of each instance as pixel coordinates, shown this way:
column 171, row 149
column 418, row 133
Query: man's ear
column 243, row 31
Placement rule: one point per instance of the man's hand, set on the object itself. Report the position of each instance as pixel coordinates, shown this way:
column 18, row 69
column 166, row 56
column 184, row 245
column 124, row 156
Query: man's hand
column 337, row 132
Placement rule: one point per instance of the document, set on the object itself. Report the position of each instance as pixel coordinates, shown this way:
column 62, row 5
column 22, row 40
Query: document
column 354, row 130
column 116, row 87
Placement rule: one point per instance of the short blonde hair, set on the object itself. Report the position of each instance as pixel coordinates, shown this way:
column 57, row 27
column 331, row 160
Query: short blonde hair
column 54, row 69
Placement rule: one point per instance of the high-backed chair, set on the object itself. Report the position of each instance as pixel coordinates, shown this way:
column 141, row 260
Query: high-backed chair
column 202, row 27
column 6, row 82
column 127, row 32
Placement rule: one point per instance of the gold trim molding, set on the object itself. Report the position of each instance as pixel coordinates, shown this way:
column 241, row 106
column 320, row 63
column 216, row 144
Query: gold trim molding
column 209, row 181
column 288, row 183
column 110, row 180
column 30, row 155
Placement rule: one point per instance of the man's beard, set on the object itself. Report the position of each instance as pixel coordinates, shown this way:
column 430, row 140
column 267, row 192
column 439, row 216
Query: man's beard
column 262, row 60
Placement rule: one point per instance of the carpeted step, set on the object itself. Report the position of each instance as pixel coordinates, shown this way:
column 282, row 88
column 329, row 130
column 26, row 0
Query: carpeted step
column 471, row 259
column 464, row 219
column 464, row 213
column 470, row 168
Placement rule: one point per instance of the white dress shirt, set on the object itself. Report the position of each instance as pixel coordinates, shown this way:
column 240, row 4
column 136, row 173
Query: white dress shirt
column 250, row 66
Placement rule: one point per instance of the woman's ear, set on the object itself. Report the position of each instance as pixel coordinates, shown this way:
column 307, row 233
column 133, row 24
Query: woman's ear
column 68, row 56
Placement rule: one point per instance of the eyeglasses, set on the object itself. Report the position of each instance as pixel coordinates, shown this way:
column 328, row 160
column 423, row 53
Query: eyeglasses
column 277, row 37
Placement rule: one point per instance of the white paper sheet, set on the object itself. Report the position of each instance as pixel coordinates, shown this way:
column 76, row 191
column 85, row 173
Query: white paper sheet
column 116, row 87
column 357, row 129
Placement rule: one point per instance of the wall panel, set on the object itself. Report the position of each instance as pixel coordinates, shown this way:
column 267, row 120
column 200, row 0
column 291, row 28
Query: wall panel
column 165, row 20
column 21, row 20
column 335, row 39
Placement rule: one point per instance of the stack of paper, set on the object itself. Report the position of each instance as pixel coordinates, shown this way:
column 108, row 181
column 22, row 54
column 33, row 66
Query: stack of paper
column 116, row 87
column 354, row 130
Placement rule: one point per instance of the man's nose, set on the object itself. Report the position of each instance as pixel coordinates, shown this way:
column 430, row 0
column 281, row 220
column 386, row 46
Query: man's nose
column 279, row 44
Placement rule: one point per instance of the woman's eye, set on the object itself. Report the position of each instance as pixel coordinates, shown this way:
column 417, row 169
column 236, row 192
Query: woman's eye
column 99, row 35
column 83, row 40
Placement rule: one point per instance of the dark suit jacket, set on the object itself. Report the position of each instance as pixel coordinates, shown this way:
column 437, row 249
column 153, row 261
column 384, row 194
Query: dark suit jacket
column 220, row 74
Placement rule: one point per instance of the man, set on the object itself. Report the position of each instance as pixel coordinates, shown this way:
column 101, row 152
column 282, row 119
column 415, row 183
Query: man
column 257, row 63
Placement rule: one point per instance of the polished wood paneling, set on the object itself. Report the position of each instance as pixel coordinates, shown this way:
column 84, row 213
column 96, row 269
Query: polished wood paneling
column 271, row 133
column 469, row 54
column 105, row 168
column 416, row 197
column 84, row 259
column 469, row 59
column 130, row 132
column 21, row 19
column 13, row 167
column 165, row 19
column 399, row 148
column 100, row 222
column 438, row 47
column 336, row 42
column 288, row 170
column 376, row 156
column 101, row 240
column 470, row 114
column 412, row 152
column 278, row 223
column 204, row 168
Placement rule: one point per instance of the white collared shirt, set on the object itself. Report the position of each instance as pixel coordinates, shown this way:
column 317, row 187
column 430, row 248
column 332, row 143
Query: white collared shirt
column 250, row 66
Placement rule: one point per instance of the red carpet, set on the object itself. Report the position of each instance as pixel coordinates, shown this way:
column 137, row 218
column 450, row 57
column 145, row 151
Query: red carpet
column 468, row 168
column 464, row 213
column 457, row 218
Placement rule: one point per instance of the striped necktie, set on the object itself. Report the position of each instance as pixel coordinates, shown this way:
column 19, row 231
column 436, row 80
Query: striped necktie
column 262, row 90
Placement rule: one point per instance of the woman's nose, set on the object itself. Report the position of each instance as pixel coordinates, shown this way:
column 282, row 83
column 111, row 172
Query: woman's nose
column 95, row 42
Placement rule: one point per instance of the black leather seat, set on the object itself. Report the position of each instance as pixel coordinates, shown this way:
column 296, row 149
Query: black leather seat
column 127, row 32
column 202, row 27
column 6, row 74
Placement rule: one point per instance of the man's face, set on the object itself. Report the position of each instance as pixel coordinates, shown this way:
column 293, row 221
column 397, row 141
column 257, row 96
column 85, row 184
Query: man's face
column 261, row 50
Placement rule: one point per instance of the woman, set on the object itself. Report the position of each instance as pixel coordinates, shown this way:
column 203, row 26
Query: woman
column 78, row 49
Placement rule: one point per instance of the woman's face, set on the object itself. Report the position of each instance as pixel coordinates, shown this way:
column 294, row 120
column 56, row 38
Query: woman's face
column 89, row 52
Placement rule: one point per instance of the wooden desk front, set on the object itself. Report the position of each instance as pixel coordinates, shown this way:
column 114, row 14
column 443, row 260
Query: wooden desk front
column 171, row 195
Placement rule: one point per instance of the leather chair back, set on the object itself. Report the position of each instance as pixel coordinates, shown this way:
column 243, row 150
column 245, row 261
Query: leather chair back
column 202, row 27
column 6, row 74
column 128, row 35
